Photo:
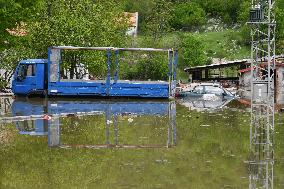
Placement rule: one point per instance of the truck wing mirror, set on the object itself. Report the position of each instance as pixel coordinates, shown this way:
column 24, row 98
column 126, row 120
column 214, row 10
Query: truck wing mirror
column 20, row 78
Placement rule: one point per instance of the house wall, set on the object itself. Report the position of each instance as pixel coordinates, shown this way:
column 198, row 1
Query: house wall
column 133, row 28
column 244, row 80
column 245, row 85
column 280, row 85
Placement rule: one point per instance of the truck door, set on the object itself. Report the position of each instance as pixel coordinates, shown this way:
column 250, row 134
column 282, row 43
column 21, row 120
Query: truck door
column 40, row 76
column 25, row 79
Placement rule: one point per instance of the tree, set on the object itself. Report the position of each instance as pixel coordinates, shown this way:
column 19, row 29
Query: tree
column 187, row 16
column 280, row 27
column 13, row 41
column 12, row 13
column 227, row 10
column 9, row 59
column 193, row 51
column 79, row 23
column 158, row 23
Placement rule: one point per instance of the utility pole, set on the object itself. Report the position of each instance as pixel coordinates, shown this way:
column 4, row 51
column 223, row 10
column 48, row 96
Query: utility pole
column 262, row 22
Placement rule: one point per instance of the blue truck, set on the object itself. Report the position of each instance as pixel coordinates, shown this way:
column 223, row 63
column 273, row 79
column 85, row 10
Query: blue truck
column 43, row 76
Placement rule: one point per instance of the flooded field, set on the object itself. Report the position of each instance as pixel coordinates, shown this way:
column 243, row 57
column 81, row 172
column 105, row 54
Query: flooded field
column 67, row 143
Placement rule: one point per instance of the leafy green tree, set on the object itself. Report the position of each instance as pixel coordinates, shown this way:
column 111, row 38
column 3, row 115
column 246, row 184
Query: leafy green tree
column 193, row 51
column 12, row 13
column 154, row 68
column 79, row 23
column 187, row 16
column 155, row 17
column 158, row 23
column 280, row 27
column 227, row 10
column 9, row 59
column 13, row 47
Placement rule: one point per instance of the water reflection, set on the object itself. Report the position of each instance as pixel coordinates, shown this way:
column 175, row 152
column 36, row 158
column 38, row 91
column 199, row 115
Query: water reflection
column 201, row 104
column 5, row 106
column 261, row 160
column 44, row 118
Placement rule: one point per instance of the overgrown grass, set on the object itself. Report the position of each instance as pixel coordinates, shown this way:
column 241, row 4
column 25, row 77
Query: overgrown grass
column 226, row 44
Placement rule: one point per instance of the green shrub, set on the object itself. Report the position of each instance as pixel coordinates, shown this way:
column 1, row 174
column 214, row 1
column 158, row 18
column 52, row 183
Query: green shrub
column 193, row 51
column 187, row 16
column 153, row 67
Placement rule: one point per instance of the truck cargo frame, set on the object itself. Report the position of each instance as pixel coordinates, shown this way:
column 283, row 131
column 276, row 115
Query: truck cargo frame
column 111, row 86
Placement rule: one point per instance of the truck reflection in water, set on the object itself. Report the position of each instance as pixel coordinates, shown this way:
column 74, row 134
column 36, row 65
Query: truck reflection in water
column 43, row 118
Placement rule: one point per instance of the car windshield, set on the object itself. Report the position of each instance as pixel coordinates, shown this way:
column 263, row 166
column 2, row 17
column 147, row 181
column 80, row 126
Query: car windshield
column 213, row 90
column 198, row 89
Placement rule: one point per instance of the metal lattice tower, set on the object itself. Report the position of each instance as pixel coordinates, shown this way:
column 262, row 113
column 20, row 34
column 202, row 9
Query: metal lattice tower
column 262, row 21
column 261, row 162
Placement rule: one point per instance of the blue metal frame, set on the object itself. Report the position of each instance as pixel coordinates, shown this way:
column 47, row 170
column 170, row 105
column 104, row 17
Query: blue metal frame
column 170, row 72
column 117, row 66
column 174, row 79
column 108, row 55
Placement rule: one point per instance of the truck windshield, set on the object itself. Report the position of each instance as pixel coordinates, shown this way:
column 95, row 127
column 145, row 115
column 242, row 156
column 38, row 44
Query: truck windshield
column 26, row 70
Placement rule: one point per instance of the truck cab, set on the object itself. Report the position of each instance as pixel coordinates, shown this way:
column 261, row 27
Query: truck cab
column 30, row 77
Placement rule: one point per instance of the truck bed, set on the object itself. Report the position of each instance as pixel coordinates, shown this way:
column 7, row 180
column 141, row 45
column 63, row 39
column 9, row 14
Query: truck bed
column 122, row 88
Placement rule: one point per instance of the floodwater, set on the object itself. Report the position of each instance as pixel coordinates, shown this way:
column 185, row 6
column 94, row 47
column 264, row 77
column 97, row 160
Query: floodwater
column 67, row 143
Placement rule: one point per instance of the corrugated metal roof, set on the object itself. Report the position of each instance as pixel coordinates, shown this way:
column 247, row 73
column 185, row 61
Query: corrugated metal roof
column 228, row 63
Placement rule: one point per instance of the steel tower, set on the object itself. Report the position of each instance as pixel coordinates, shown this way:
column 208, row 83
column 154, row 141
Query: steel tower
column 262, row 21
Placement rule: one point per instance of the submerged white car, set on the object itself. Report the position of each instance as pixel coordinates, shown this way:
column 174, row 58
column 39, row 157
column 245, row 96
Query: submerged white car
column 206, row 90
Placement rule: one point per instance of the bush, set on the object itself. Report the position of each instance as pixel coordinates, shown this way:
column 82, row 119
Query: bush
column 227, row 10
column 146, row 68
column 153, row 68
column 193, row 51
column 187, row 16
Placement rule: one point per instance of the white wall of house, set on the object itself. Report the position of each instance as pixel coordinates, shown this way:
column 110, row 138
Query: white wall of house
column 133, row 29
column 280, row 85
column 245, row 85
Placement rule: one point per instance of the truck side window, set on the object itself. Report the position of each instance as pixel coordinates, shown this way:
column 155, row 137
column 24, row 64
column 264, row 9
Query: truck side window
column 22, row 70
column 26, row 70
column 31, row 70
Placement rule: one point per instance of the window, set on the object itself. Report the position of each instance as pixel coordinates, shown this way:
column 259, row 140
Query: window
column 26, row 70
column 213, row 90
column 198, row 89
column 26, row 126
column 31, row 70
